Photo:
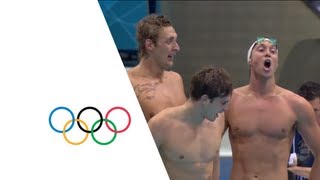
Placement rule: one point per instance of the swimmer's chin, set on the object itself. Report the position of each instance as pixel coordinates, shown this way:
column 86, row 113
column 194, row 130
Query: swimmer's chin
column 213, row 118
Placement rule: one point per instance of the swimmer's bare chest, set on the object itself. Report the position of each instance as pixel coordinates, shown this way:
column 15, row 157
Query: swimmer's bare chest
column 184, row 145
column 271, row 117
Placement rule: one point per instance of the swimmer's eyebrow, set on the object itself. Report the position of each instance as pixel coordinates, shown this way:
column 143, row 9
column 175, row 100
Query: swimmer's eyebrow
column 225, row 102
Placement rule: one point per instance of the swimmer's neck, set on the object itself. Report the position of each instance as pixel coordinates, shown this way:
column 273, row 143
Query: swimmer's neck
column 150, row 68
column 193, row 113
column 263, row 88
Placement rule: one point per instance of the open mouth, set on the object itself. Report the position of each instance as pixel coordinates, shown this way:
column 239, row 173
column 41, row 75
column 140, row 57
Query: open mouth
column 172, row 56
column 267, row 63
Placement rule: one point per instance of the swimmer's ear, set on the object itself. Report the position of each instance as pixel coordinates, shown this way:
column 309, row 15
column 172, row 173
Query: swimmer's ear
column 149, row 44
column 205, row 99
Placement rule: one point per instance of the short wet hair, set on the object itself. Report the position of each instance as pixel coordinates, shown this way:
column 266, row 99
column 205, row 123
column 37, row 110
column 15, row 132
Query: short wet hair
column 212, row 81
column 149, row 28
column 310, row 90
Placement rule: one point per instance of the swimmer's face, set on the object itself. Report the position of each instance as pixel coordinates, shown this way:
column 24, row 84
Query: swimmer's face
column 217, row 106
column 166, row 47
column 316, row 107
column 264, row 59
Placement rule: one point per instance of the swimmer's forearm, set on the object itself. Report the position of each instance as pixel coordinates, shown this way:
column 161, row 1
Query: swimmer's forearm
column 301, row 171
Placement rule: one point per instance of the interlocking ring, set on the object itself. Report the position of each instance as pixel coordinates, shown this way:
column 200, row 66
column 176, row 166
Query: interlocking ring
column 92, row 130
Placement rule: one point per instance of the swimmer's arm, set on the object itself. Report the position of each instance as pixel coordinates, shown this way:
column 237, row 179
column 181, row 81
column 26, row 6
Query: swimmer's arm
column 179, row 83
column 216, row 161
column 310, row 131
column 301, row 171
column 226, row 124
column 216, row 167
column 155, row 129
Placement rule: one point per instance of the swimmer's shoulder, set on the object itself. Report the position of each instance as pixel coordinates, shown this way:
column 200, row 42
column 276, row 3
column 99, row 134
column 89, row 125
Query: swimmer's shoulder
column 163, row 120
column 167, row 113
column 293, row 99
column 133, row 73
column 173, row 75
column 241, row 91
column 135, row 76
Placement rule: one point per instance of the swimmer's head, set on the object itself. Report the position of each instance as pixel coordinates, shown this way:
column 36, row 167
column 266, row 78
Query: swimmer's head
column 259, row 41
